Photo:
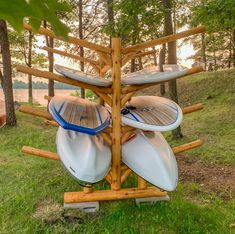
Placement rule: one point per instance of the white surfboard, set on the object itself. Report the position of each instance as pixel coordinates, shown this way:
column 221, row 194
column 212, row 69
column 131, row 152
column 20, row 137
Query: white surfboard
column 81, row 76
column 152, row 113
column 87, row 158
column 152, row 76
column 149, row 156
column 82, row 115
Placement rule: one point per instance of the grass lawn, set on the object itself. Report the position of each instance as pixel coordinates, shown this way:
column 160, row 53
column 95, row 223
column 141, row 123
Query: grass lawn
column 31, row 188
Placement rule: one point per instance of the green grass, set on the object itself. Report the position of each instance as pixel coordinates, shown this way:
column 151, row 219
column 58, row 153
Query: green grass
column 215, row 124
column 27, row 182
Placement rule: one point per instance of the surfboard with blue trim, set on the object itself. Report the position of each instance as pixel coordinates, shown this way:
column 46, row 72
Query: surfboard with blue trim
column 152, row 113
column 77, row 114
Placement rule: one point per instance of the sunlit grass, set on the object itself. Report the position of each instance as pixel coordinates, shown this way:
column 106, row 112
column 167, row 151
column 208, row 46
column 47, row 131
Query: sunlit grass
column 27, row 182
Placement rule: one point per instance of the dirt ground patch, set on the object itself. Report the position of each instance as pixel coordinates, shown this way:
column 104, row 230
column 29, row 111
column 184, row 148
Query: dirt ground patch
column 211, row 177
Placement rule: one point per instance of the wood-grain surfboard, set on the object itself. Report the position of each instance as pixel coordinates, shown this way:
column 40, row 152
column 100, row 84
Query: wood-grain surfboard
column 79, row 114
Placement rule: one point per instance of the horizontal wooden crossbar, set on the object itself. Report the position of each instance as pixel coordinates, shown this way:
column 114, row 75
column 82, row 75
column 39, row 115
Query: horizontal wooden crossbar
column 193, row 108
column 105, row 195
column 93, row 63
column 51, row 123
column 63, row 79
column 128, row 57
column 66, row 54
column 40, row 153
column 54, row 156
column 163, row 40
column 187, row 146
column 36, row 112
column 73, row 40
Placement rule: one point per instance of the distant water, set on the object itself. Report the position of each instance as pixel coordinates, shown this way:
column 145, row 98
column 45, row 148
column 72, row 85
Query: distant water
column 21, row 95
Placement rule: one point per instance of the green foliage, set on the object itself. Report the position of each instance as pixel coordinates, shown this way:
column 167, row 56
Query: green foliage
column 89, row 94
column 216, row 15
column 136, row 19
column 15, row 12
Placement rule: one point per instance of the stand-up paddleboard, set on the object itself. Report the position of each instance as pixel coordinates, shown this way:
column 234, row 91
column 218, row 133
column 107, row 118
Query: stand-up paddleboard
column 77, row 114
column 80, row 76
column 87, row 158
column 149, row 155
column 2, row 114
column 152, row 113
column 146, row 77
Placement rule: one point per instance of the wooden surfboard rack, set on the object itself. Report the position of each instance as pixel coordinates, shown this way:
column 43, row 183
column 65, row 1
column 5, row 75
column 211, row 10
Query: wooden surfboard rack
column 116, row 96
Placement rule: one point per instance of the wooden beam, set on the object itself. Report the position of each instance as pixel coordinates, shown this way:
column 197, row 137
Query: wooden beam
column 187, row 146
column 63, row 79
column 51, row 123
column 134, row 88
column 106, row 137
column 164, row 40
column 106, row 59
column 193, row 108
column 125, row 175
column 66, row 54
column 48, row 98
column 105, row 97
column 126, row 98
column 73, row 40
column 108, row 178
column 93, row 63
column 104, row 195
column 116, row 112
column 136, row 55
column 40, row 153
column 36, row 112
column 127, row 129
column 127, row 135
column 142, row 184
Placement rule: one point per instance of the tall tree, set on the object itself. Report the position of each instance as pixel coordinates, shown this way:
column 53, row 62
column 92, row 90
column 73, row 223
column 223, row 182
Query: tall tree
column 14, row 14
column 6, row 76
column 80, row 6
column 171, row 58
column 30, row 88
column 50, row 43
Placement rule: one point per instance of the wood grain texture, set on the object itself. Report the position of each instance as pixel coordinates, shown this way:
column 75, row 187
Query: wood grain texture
column 116, row 112
column 40, row 153
column 104, row 195
column 36, row 112
column 73, row 40
column 164, row 40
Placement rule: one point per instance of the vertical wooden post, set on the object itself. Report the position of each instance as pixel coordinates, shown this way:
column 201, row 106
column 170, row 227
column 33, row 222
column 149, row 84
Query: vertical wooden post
column 116, row 110
column 142, row 184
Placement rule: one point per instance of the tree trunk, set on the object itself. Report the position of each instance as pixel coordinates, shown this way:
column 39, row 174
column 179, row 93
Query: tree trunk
column 233, row 48
column 172, row 59
column 154, row 57
column 230, row 50
column 133, row 65
column 7, row 75
column 162, row 57
column 110, row 17
column 140, row 63
column 30, row 86
column 83, row 95
column 51, row 90
column 203, row 50
column 50, row 43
